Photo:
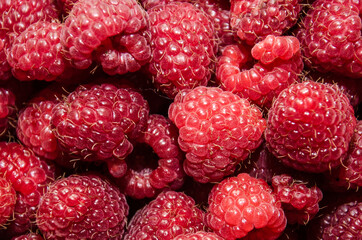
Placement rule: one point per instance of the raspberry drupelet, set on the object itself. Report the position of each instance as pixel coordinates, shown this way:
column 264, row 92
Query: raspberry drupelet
column 201, row 235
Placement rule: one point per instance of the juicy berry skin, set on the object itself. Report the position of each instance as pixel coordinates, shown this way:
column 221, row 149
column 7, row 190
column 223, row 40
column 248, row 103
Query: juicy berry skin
column 36, row 53
column 310, row 126
column 161, row 135
column 90, row 27
column 201, row 235
column 253, row 20
column 245, row 207
column 82, row 207
column 7, row 200
column 183, row 47
column 279, row 62
column 170, row 214
column 330, row 37
column 217, row 130
column 7, row 110
column 97, row 123
column 30, row 236
column 299, row 202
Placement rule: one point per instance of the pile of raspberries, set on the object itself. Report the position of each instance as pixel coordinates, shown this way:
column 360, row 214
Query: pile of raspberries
column 180, row 119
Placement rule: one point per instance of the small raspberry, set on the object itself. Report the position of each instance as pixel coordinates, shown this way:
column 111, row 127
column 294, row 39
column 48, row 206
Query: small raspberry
column 299, row 202
column 7, row 201
column 7, row 110
column 310, row 125
column 113, row 28
column 253, row 20
column 170, row 214
column 82, row 207
column 330, row 36
column 34, row 129
column 201, row 235
column 245, row 207
column 183, row 47
column 142, row 181
column 279, row 64
column 29, row 236
column 217, row 130
column 97, row 123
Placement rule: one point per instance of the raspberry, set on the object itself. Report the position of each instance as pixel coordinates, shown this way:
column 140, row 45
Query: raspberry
column 279, row 64
column 112, row 27
column 245, row 207
column 82, row 207
column 7, row 110
column 182, row 45
column 29, row 176
column 330, row 37
column 7, row 200
column 36, row 53
column 217, row 130
column 29, row 236
column 201, row 235
column 253, row 20
column 170, row 214
column 34, row 129
column 97, row 123
column 299, row 202
column 310, row 125
column 142, row 181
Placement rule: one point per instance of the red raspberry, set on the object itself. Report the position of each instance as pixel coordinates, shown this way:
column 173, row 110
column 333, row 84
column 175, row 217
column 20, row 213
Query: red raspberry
column 7, row 200
column 142, row 181
column 7, row 110
column 82, row 207
column 280, row 63
column 299, row 202
column 36, row 53
column 330, row 37
column 30, row 177
column 201, row 235
column 5, row 69
column 253, row 20
column 310, row 125
column 245, row 207
column 34, row 129
column 217, row 130
column 97, row 123
column 170, row 214
column 29, row 236
column 113, row 29
column 183, row 47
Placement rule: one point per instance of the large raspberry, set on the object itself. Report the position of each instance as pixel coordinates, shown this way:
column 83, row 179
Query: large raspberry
column 108, row 31
column 36, row 53
column 141, row 180
column 97, row 122
column 217, row 130
column 183, row 47
column 168, row 215
column 310, row 126
column 82, row 207
column 253, row 20
column 299, row 202
column 7, row 200
column 280, row 63
column 245, row 207
column 330, row 37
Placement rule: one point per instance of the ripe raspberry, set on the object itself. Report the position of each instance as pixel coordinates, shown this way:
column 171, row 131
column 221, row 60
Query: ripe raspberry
column 183, row 47
column 29, row 236
column 299, row 202
column 115, row 27
column 310, row 125
column 29, row 176
column 280, row 63
column 201, row 235
column 82, row 207
column 36, row 53
column 217, row 130
column 253, row 20
column 143, row 181
column 245, row 207
column 7, row 200
column 7, row 110
column 97, row 123
column 170, row 214
column 330, row 37
column 34, row 129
